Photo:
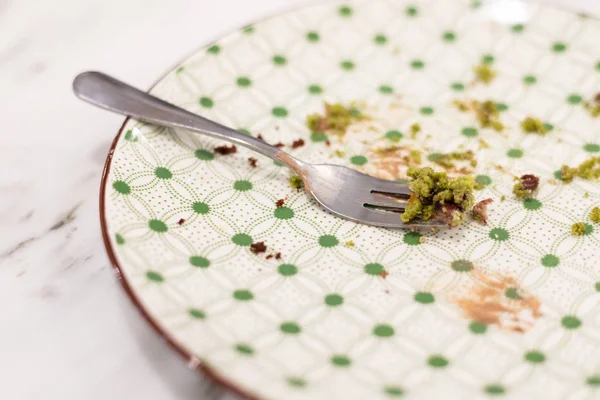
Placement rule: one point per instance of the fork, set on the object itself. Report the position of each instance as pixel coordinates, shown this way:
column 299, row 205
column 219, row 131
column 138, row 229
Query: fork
column 341, row 190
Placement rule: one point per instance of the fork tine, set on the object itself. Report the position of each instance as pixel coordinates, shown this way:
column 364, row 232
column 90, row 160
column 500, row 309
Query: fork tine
column 381, row 185
column 392, row 220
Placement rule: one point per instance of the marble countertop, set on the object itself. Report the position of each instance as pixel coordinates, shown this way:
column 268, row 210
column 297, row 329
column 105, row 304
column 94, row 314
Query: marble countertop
column 68, row 330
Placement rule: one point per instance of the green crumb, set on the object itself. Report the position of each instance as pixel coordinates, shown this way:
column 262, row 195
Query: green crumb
column 461, row 105
column 595, row 215
column 296, row 182
column 349, row 243
column 448, row 160
column 414, row 129
column 593, row 107
column 336, row 120
column 339, row 153
column 534, row 125
column 589, row 169
column 415, row 156
column 526, row 186
column 436, row 196
column 483, row 144
column 502, row 198
column 578, row 229
column 484, row 73
column 486, row 112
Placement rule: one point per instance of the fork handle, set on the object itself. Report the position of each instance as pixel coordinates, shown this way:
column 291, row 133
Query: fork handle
column 111, row 94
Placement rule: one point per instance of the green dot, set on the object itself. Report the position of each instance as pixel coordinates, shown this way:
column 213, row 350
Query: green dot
column 393, row 391
column 478, row 328
column 180, row 70
column 550, row 260
column 157, row 225
column 244, row 131
column 121, row 187
column 328, row 241
column 412, row 238
column 196, row 313
column 598, row 66
column 154, row 276
column 318, row 137
column 386, row 89
column 243, row 295
column 279, row 60
column 570, row 322
column 242, row 185
column 383, row 330
column 449, row 36
column 411, row 11
column 206, row 102
column 242, row 239
column 380, row 39
column 574, row 99
column 358, row 160
column 347, row 65
column 593, row 380
column 287, row 269
column 488, row 59
column 483, row 180
column 559, row 47
column 512, row 293
column 374, row 269
column 163, row 173
column 334, row 300
column 249, row 29
column 201, row 208
column 461, row 265
column 279, row 112
column 558, row 175
column 433, row 157
column 424, row 297
column 515, row 153
column 283, row 213
column 204, row 155
column 296, row 382
column 548, row 126
column 426, row 110
column 535, row 357
column 312, row 36
column 499, row 234
column 532, row 204
column 244, row 349
column 130, row 137
column 475, row 3
column 437, row 361
column 214, row 49
column 417, row 64
column 529, row 80
column 590, row 148
column 341, row 361
column 470, row 132
column 494, row 389
column 501, row 107
column 199, row 262
column 457, row 87
column 244, row 81
column 290, row 328
column 518, row 28
column 394, row 136
column 345, row 11
column 119, row 239
column 597, row 286
column 588, row 229
column 315, row 89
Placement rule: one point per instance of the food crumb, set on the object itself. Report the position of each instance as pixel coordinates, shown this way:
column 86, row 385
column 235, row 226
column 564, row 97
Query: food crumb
column 260, row 137
column 296, row 182
column 297, row 143
column 340, row 153
column 252, row 161
column 586, row 195
column 279, row 145
column 595, row 215
column 349, row 243
column 277, row 255
column 484, row 73
column 502, row 198
column 534, row 125
column 180, row 222
column 383, row 274
column 589, row 169
column 336, row 120
column 327, row 143
column 269, row 256
column 526, row 186
column 279, row 203
column 258, row 247
column 224, row 149
column 422, row 239
column 414, row 129
column 480, row 211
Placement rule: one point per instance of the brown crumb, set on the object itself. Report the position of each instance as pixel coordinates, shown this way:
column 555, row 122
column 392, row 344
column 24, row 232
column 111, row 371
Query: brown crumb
column 480, row 211
column 258, row 247
column 181, row 221
column 269, row 256
column 279, row 203
column 260, row 137
column 224, row 149
column 526, row 186
column 277, row 255
column 383, row 274
column 327, row 143
column 297, row 143
column 279, row 145
column 252, row 161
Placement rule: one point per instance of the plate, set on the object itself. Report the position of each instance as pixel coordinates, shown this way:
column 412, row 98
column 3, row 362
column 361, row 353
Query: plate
column 333, row 309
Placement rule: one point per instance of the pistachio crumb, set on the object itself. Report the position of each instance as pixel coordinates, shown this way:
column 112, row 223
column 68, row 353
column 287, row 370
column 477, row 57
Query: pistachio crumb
column 578, row 229
column 526, row 186
column 484, row 73
column 296, row 182
column 534, row 125
column 414, row 129
column 349, row 243
column 595, row 215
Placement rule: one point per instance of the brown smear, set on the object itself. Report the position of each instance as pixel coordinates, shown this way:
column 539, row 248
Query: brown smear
column 499, row 300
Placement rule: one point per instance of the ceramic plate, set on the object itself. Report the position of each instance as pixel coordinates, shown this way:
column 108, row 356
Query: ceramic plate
column 333, row 309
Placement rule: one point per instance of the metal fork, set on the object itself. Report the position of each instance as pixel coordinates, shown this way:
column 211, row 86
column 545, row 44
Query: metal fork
column 343, row 191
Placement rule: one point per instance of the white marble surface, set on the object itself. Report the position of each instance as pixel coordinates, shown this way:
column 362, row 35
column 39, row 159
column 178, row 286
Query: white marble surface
column 67, row 331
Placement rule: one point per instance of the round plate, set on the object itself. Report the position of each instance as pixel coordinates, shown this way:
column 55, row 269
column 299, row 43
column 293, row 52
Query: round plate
column 333, row 309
